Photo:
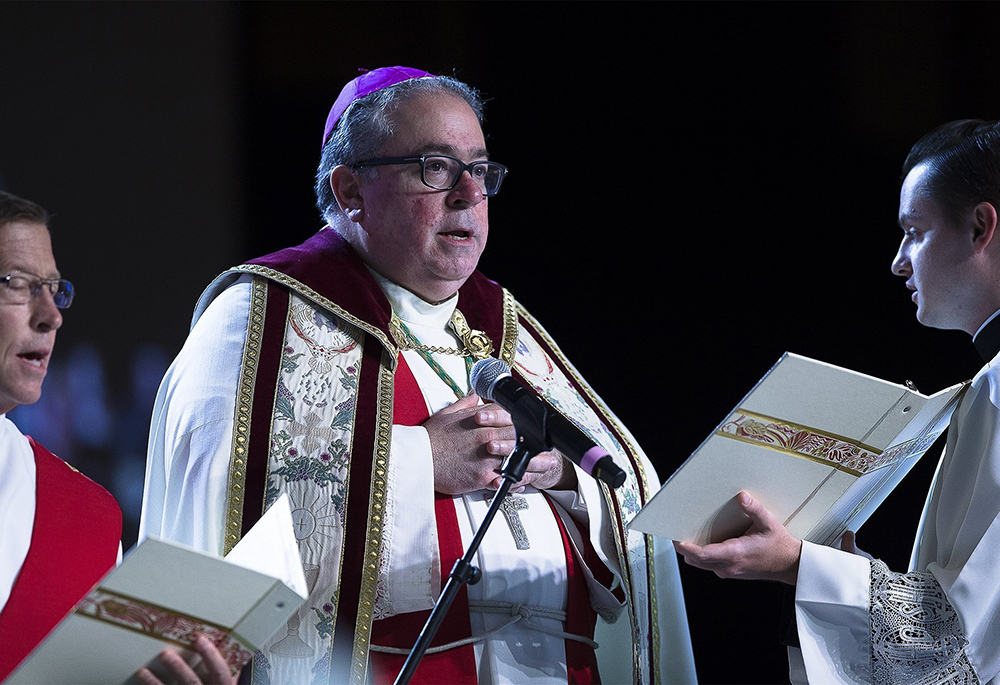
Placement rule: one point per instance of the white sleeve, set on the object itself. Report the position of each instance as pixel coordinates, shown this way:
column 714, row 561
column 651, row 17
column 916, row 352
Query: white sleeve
column 190, row 443
column 17, row 504
column 409, row 567
column 831, row 612
column 859, row 622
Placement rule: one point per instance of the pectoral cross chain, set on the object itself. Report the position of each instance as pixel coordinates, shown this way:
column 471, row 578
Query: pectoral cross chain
column 510, row 505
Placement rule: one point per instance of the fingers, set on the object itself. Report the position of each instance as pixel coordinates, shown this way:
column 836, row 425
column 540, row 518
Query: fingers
column 499, row 447
column 546, row 471
column 181, row 673
column 146, row 677
column 758, row 513
column 178, row 668
column 709, row 557
column 493, row 415
column 544, row 462
column 766, row 551
column 504, row 439
column 849, row 543
column 215, row 663
column 501, row 442
column 465, row 404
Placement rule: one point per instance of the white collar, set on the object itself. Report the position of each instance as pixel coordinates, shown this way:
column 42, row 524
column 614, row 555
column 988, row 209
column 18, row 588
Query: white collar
column 411, row 308
column 985, row 324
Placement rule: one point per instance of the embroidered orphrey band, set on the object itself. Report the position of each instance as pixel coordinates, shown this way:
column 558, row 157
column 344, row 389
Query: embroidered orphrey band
column 244, row 405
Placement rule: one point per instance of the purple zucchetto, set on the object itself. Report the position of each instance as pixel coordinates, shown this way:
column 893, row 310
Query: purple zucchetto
column 366, row 84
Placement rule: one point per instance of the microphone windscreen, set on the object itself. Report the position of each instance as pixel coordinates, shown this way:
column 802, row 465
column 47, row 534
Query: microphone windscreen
column 485, row 373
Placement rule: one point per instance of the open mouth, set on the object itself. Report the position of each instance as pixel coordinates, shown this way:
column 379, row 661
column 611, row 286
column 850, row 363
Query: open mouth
column 458, row 234
column 34, row 358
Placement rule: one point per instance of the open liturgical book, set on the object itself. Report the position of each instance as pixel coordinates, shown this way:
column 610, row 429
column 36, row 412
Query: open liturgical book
column 820, row 446
column 164, row 595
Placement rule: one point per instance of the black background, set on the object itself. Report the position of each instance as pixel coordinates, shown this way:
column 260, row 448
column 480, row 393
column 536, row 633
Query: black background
column 694, row 190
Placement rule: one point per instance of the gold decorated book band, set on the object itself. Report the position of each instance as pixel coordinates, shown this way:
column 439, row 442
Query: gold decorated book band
column 842, row 453
column 162, row 624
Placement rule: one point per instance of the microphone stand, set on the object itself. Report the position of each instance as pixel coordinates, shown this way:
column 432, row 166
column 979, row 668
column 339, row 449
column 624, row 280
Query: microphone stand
column 512, row 470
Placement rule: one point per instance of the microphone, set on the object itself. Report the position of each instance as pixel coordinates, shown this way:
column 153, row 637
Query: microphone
column 491, row 380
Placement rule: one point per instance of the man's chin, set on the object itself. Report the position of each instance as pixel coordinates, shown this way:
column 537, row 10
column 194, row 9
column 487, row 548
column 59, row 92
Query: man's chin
column 927, row 318
column 942, row 323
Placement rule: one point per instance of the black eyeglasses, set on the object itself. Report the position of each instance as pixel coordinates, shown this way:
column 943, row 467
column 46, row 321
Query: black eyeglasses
column 21, row 287
column 442, row 172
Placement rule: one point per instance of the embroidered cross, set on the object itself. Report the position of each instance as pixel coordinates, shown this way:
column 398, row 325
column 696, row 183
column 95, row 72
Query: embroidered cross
column 314, row 430
column 510, row 505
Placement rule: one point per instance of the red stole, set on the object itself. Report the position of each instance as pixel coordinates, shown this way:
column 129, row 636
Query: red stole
column 458, row 665
column 74, row 542
column 453, row 665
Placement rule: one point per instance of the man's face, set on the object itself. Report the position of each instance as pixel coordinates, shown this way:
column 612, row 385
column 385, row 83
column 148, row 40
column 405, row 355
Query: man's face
column 936, row 259
column 27, row 331
column 429, row 241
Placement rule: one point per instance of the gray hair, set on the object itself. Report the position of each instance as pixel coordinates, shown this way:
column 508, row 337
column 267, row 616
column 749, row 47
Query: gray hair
column 367, row 124
column 15, row 209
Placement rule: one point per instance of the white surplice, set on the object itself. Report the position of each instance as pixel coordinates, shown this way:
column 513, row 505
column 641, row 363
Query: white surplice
column 17, row 504
column 940, row 622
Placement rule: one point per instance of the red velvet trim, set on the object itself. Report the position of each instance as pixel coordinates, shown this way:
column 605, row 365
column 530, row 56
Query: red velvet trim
column 74, row 542
column 401, row 631
column 581, row 660
column 326, row 263
column 272, row 343
column 364, row 438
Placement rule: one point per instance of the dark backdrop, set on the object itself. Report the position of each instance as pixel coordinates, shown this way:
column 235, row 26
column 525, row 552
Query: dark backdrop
column 694, row 189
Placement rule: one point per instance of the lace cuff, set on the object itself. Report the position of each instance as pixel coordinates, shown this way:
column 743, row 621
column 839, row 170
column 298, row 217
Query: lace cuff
column 916, row 635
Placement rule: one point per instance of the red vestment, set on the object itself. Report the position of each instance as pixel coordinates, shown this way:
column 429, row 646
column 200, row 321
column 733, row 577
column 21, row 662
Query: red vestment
column 74, row 542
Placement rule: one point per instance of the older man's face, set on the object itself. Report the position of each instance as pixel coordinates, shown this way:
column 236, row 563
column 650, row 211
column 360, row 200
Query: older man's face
column 27, row 330
column 429, row 241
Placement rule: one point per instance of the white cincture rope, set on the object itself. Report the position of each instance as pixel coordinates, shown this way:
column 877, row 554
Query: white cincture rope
column 517, row 612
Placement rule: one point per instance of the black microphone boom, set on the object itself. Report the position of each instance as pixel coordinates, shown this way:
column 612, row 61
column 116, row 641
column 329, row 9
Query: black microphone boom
column 491, row 380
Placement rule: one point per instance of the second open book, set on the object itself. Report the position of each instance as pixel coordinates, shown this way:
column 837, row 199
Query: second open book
column 820, row 446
